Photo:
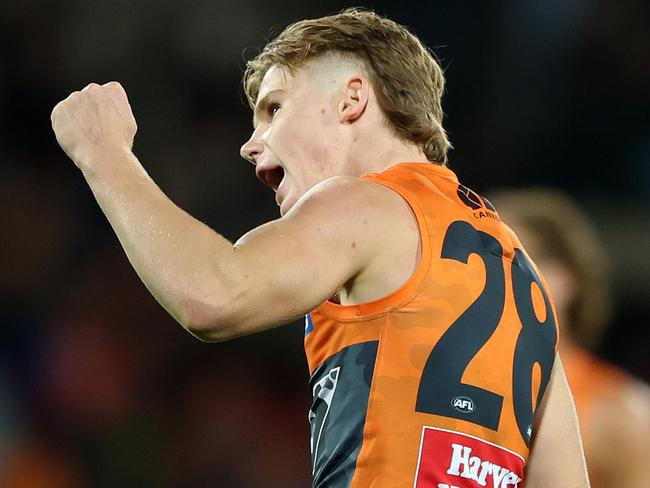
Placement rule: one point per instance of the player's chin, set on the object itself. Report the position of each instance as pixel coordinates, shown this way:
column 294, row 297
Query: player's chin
column 284, row 208
column 286, row 205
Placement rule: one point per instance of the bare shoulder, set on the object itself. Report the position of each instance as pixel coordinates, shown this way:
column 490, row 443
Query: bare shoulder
column 630, row 406
column 355, row 197
column 366, row 210
column 619, row 435
column 375, row 222
column 623, row 416
column 344, row 236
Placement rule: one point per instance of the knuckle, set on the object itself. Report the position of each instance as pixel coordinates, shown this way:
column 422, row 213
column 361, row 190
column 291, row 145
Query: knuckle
column 91, row 86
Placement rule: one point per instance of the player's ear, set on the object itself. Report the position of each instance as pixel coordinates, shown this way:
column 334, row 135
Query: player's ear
column 354, row 99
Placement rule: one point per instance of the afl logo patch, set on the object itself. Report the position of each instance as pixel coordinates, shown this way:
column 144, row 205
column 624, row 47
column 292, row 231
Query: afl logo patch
column 463, row 404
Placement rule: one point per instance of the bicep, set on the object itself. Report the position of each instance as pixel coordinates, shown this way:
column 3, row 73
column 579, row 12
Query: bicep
column 296, row 265
column 288, row 267
column 556, row 456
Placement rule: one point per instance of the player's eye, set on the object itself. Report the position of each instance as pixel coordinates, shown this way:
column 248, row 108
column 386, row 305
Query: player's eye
column 273, row 108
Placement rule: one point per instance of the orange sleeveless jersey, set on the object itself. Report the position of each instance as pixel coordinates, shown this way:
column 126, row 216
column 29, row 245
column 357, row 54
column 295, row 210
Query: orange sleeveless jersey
column 434, row 385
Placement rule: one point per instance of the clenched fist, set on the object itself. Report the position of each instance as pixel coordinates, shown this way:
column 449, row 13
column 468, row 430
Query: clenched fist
column 95, row 124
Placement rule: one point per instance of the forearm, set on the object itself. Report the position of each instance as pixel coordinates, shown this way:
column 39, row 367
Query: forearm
column 182, row 262
column 185, row 265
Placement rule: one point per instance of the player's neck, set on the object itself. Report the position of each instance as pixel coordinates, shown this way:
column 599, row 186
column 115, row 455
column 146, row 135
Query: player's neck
column 393, row 152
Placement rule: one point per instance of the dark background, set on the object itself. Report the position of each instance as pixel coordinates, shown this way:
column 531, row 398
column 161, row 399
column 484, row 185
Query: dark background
column 98, row 386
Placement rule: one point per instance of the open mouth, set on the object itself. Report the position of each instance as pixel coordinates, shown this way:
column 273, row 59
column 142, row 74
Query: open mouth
column 270, row 175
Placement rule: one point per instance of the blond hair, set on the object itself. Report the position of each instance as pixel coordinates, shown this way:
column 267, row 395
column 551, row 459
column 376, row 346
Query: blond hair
column 408, row 80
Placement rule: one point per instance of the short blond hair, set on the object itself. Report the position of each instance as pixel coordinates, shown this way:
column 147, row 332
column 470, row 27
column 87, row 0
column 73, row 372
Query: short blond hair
column 409, row 82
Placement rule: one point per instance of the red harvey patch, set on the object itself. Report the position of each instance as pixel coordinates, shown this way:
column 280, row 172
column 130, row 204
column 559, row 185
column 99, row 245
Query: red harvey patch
column 450, row 459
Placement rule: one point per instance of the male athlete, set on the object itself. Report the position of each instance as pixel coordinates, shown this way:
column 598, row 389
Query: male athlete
column 430, row 336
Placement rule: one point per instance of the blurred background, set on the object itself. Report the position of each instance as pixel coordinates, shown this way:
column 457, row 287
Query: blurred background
column 98, row 386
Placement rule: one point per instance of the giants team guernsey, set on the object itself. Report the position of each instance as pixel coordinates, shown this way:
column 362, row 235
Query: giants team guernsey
column 434, row 385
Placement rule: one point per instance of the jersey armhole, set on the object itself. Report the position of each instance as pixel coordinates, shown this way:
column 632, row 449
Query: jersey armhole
column 409, row 289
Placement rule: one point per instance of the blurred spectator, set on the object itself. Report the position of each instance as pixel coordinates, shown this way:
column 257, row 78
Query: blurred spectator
column 35, row 464
column 613, row 407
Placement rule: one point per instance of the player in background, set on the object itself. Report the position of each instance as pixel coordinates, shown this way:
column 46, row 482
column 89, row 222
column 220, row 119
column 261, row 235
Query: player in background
column 613, row 407
column 430, row 336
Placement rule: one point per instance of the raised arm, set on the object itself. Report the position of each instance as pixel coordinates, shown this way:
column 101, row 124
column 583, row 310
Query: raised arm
column 556, row 457
column 213, row 288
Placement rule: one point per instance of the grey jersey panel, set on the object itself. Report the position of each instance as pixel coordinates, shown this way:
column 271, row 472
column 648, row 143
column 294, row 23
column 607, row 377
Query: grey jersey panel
column 340, row 388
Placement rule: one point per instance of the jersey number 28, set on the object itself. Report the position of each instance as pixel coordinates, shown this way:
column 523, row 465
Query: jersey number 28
column 441, row 386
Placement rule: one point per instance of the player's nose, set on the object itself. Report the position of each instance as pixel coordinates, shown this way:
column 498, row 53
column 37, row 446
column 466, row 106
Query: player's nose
column 252, row 148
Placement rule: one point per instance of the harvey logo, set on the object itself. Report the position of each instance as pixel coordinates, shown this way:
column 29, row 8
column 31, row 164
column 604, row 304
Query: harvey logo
column 451, row 459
